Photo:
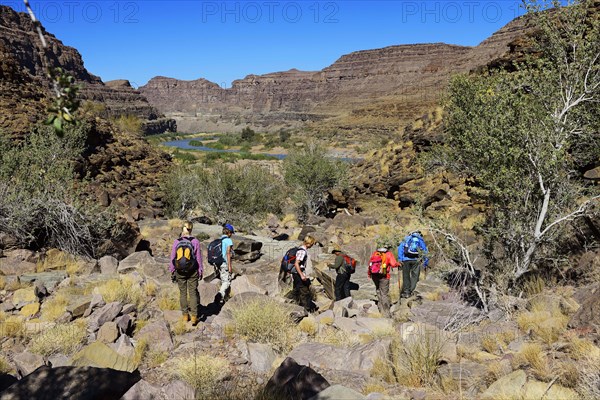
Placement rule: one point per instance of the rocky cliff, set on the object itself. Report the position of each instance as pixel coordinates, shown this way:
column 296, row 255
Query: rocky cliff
column 373, row 90
column 20, row 42
column 121, row 169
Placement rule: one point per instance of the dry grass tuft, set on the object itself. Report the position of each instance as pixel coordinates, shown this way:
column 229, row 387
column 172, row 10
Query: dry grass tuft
column 151, row 289
column 416, row 360
column 309, row 326
column 202, row 372
column 2, row 282
column 54, row 307
column 140, row 349
column 180, row 328
column 533, row 355
column 265, row 321
column 378, row 334
column 168, row 299
column 5, row 367
column 382, row 369
column 568, row 374
column 546, row 321
column 62, row 338
column 12, row 326
column 582, row 349
column 124, row 289
column 336, row 337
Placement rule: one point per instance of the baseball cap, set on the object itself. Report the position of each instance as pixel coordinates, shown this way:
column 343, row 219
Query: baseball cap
column 229, row 227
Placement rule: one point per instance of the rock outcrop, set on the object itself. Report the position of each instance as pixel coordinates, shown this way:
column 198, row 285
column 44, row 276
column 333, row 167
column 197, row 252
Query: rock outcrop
column 19, row 43
column 374, row 90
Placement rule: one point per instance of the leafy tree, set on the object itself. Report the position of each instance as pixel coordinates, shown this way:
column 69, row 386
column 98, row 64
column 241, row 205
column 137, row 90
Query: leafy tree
column 310, row 173
column 525, row 136
column 248, row 134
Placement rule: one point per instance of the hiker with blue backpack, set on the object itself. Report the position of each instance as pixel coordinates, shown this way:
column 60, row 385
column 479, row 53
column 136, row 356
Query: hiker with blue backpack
column 186, row 269
column 412, row 253
column 220, row 252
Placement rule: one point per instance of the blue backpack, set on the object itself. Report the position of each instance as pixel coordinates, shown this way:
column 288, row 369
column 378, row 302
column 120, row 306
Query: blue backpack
column 411, row 247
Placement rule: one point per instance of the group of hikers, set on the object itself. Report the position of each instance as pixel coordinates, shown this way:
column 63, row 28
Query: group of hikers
column 187, row 268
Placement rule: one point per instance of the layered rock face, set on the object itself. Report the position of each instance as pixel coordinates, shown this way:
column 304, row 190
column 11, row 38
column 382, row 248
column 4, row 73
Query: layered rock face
column 19, row 41
column 380, row 90
column 122, row 169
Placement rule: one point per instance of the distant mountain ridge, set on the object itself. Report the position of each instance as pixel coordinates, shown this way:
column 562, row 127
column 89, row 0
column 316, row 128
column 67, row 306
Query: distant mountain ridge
column 379, row 89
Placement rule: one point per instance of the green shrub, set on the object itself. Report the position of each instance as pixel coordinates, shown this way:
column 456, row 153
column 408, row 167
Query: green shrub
column 196, row 143
column 128, row 124
column 248, row 134
column 39, row 202
column 184, row 157
column 312, row 173
column 242, row 194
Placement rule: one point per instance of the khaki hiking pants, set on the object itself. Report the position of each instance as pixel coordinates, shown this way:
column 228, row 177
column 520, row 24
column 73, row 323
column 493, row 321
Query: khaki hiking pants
column 188, row 286
column 382, row 284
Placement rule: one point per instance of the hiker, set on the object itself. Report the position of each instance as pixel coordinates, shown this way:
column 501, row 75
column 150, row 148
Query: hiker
column 301, row 280
column 412, row 252
column 225, row 270
column 343, row 267
column 186, row 269
column 380, row 264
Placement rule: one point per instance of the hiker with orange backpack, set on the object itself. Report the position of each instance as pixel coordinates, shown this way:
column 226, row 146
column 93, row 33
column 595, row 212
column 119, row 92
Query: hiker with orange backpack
column 380, row 265
column 186, row 269
column 344, row 265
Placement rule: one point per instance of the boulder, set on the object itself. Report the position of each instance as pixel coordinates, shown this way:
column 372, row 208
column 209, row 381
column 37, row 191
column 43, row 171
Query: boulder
column 587, row 316
column 178, row 390
column 100, row 355
column 293, row 381
column 77, row 308
column 136, row 261
column 72, row 383
column 247, row 246
column 21, row 297
column 508, row 387
column 49, row 279
column 18, row 262
column 26, row 362
column 158, row 334
column 350, row 326
column 108, row 332
column 261, row 357
column 142, row 390
column 103, row 315
column 539, row 390
column 243, row 284
column 359, row 359
column 108, row 265
column 338, row 392
column 123, row 346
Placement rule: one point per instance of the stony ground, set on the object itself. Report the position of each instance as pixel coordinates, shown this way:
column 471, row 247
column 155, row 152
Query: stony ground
column 78, row 316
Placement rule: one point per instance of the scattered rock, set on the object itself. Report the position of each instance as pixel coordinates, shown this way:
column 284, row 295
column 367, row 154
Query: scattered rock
column 261, row 357
column 105, row 314
column 22, row 297
column 508, row 387
column 293, row 381
column 142, row 390
column 17, row 262
column 178, row 390
column 108, row 332
column 48, row 279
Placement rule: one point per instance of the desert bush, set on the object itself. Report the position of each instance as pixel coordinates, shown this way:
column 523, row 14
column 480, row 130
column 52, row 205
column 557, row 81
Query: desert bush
column 62, row 338
column 39, row 202
column 203, row 372
column 128, row 123
column 185, row 157
column 265, row 321
column 588, row 384
column 247, row 134
column 311, row 173
column 241, row 194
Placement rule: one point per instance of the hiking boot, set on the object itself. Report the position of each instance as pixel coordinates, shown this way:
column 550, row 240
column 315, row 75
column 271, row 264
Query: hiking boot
column 194, row 320
column 185, row 317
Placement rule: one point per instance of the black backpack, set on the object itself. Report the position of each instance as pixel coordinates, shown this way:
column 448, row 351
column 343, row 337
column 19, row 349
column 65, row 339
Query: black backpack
column 289, row 260
column 215, row 252
column 185, row 257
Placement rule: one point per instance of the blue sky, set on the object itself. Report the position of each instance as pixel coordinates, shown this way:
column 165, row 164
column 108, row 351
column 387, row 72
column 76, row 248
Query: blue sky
column 227, row 40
